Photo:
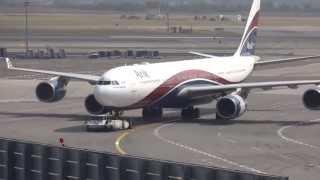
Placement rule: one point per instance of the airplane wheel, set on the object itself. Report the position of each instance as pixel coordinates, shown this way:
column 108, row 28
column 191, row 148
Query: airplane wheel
column 190, row 113
column 89, row 129
column 130, row 124
column 221, row 119
column 196, row 113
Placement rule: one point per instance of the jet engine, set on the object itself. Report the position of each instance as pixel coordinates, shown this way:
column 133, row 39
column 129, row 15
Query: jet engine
column 231, row 107
column 53, row 90
column 311, row 99
column 94, row 107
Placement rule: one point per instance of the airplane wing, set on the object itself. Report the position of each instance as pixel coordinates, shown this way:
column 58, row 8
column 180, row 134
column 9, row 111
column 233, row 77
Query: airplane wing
column 278, row 61
column 83, row 77
column 207, row 90
column 201, row 54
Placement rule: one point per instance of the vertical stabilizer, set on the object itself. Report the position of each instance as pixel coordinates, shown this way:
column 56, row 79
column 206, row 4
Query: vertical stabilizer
column 248, row 42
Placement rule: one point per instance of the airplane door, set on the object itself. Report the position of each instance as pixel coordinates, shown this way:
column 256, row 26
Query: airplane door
column 133, row 91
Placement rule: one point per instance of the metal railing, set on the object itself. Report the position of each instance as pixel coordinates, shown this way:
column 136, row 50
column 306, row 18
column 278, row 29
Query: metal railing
column 30, row 161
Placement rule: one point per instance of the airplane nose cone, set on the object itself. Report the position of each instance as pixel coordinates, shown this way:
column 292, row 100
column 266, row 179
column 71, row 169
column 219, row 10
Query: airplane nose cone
column 109, row 96
column 99, row 94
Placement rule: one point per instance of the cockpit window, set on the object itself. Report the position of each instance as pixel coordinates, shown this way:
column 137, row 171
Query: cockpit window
column 114, row 82
column 107, row 83
column 104, row 82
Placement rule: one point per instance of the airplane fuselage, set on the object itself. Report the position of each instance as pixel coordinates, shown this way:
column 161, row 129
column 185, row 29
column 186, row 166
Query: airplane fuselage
column 143, row 85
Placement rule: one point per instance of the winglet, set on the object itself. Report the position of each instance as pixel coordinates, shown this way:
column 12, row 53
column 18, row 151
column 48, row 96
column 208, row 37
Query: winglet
column 9, row 63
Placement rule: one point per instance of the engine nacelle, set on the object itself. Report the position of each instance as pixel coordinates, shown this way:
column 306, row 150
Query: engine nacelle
column 231, row 107
column 311, row 99
column 52, row 91
column 94, row 107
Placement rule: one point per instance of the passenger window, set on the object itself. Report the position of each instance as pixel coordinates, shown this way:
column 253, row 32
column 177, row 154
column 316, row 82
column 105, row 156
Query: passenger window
column 114, row 82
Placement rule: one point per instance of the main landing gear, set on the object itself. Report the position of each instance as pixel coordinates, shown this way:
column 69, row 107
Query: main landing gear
column 190, row 113
column 152, row 113
column 155, row 113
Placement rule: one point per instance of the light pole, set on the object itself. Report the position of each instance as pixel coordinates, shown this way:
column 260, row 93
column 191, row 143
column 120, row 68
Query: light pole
column 26, row 31
column 167, row 16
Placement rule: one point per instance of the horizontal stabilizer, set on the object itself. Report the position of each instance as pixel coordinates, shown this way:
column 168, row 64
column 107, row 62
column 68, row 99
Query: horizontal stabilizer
column 287, row 60
column 201, row 54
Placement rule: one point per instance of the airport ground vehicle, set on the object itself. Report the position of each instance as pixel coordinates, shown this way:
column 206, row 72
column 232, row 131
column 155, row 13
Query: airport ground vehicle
column 106, row 122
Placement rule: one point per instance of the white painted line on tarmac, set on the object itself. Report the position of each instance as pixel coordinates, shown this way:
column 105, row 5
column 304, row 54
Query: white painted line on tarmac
column 291, row 140
column 257, row 149
column 207, row 161
column 157, row 133
column 229, row 140
column 17, row 100
column 271, row 151
column 219, row 134
column 283, row 156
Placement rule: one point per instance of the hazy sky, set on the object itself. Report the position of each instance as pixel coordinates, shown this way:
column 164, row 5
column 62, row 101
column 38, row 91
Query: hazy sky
column 141, row 1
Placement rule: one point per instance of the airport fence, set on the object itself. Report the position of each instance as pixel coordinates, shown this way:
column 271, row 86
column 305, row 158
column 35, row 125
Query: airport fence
column 29, row 161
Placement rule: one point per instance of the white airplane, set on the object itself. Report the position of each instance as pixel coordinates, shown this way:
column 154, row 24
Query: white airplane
column 180, row 84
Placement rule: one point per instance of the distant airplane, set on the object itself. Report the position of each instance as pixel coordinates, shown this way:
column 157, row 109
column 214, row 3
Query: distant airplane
column 180, row 84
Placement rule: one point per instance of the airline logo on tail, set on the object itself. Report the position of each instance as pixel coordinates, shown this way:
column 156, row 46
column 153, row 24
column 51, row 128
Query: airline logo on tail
column 248, row 42
column 249, row 45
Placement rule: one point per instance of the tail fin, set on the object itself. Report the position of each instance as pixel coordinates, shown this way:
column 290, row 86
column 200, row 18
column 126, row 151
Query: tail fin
column 248, row 42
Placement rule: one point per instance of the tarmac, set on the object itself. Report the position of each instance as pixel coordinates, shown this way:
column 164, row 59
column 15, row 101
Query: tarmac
column 276, row 136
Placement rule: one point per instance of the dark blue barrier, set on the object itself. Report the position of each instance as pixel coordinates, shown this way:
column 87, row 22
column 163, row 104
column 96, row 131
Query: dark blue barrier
column 30, row 161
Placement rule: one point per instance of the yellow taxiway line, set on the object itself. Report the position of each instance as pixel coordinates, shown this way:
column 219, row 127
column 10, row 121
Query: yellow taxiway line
column 118, row 143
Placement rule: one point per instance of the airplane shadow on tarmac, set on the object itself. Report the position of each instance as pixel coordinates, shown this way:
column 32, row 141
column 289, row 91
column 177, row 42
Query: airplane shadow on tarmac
column 169, row 116
column 70, row 117
column 174, row 116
